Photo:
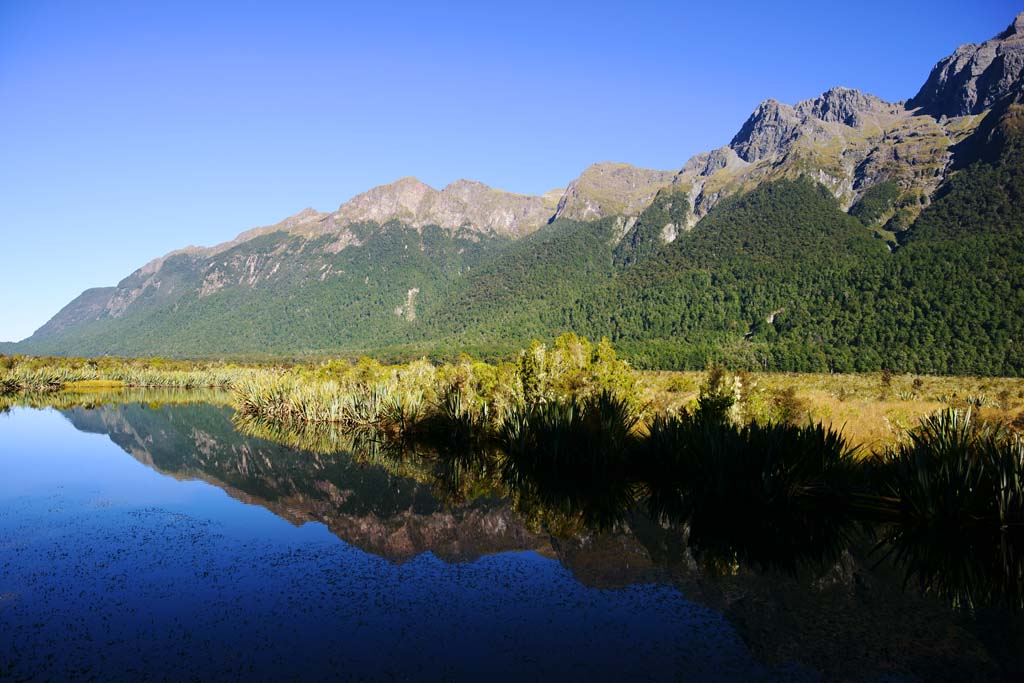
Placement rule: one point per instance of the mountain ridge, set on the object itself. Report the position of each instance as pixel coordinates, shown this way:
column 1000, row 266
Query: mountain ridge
column 390, row 265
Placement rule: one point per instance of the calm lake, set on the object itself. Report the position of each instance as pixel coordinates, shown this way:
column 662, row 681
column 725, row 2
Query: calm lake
column 155, row 541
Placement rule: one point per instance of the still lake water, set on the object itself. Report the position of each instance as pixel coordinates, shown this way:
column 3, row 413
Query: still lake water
column 141, row 541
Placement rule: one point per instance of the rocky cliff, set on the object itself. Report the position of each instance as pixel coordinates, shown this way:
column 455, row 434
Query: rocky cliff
column 974, row 77
column 845, row 139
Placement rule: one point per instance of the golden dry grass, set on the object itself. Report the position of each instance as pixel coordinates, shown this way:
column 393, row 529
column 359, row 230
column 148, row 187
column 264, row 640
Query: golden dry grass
column 869, row 410
column 93, row 384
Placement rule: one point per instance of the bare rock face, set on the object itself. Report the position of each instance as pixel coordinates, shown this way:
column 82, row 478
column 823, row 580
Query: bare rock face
column 773, row 127
column 974, row 77
column 707, row 163
column 846, row 106
column 609, row 189
column 845, row 139
column 462, row 204
column 404, row 200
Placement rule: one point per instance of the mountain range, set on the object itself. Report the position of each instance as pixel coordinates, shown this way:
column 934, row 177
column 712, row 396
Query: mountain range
column 842, row 232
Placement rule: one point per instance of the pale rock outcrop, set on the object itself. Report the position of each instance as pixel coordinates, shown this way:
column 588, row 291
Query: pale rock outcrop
column 847, row 106
column 462, row 204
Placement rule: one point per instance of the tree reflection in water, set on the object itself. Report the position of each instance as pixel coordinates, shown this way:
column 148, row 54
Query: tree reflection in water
column 775, row 497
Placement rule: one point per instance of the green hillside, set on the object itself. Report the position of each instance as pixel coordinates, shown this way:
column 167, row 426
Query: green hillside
column 784, row 248
column 319, row 301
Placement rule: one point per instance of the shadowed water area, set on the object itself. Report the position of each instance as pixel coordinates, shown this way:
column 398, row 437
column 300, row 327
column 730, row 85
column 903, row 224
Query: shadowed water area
column 147, row 538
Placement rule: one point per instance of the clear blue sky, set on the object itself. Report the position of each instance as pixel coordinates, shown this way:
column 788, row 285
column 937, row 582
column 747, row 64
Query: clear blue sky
column 130, row 129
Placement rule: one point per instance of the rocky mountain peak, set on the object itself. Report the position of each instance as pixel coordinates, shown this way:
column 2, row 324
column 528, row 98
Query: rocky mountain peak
column 402, row 199
column 774, row 126
column 1016, row 28
column 847, row 106
column 609, row 188
column 770, row 128
column 465, row 189
column 303, row 217
column 975, row 76
column 461, row 204
column 709, row 163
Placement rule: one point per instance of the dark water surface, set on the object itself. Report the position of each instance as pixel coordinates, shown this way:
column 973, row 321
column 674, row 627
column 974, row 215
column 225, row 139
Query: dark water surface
column 149, row 542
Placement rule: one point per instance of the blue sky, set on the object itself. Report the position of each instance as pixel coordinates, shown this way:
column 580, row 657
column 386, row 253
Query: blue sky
column 131, row 129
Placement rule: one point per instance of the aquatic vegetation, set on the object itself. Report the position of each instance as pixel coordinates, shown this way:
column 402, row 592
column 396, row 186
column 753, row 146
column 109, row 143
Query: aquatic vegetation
column 575, row 456
column 956, row 470
column 38, row 379
column 951, row 497
column 569, row 366
column 969, row 567
column 946, row 505
column 184, row 379
column 766, row 493
column 382, row 405
column 95, row 398
column 453, row 424
column 568, row 433
column 463, row 399
column 576, row 449
column 323, row 438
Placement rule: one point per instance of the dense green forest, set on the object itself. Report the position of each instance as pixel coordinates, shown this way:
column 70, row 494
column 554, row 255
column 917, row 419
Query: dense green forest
column 784, row 248
column 320, row 302
column 781, row 278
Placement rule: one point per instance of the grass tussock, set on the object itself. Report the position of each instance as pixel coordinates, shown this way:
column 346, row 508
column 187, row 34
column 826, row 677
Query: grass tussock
column 956, row 471
column 44, row 375
column 575, row 456
column 952, row 504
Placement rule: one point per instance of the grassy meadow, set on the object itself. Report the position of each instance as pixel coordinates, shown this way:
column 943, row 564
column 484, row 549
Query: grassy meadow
column 872, row 410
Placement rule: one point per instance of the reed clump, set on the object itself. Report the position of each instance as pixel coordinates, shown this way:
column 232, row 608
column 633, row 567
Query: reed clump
column 466, row 397
column 575, row 456
column 951, row 504
column 956, row 471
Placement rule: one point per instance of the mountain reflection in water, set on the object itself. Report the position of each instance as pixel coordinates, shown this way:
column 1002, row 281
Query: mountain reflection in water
column 824, row 594
column 384, row 511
